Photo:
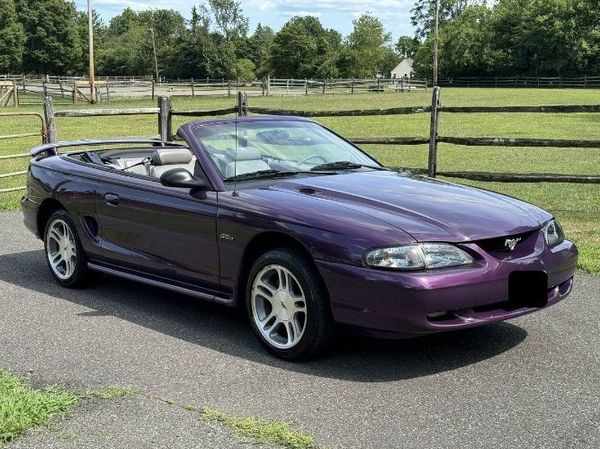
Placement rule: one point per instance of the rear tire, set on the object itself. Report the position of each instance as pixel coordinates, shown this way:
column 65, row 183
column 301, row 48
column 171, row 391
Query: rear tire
column 288, row 305
column 64, row 253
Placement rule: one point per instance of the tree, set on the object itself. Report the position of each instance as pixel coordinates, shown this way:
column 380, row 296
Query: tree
column 535, row 37
column 12, row 38
column 304, row 49
column 244, row 70
column 407, row 46
column 53, row 44
column 259, row 49
column 366, row 47
column 127, row 42
column 229, row 18
column 423, row 13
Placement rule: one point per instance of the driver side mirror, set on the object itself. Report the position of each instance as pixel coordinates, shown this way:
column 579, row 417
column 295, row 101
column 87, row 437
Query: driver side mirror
column 180, row 177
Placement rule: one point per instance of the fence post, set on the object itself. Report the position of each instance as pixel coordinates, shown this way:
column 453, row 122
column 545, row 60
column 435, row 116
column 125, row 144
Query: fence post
column 352, row 90
column 585, row 81
column 193, row 91
column 242, row 104
column 164, row 118
column 229, row 88
column 45, row 89
column 50, row 131
column 305, row 87
column 107, row 91
column 433, row 132
column 153, row 82
column 269, row 85
column 324, row 86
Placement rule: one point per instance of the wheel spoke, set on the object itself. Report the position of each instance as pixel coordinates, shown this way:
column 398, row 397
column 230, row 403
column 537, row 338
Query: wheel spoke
column 56, row 258
column 55, row 235
column 299, row 307
column 69, row 267
column 265, row 322
column 282, row 279
column 265, row 289
column 295, row 326
column 290, row 332
column 268, row 328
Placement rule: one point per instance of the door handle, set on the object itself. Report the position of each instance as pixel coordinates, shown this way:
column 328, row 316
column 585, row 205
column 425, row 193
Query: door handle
column 112, row 199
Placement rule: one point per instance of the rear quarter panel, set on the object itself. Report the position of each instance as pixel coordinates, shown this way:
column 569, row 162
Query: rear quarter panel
column 72, row 185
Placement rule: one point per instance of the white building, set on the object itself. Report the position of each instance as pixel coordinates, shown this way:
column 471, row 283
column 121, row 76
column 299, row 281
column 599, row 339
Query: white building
column 404, row 69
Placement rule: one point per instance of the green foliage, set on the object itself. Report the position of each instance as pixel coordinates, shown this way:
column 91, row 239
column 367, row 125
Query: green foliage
column 304, row 49
column 53, row 44
column 12, row 38
column 244, row 69
column 407, row 46
column 366, row 47
column 259, row 49
column 126, row 45
column 511, row 37
column 478, row 38
column 22, row 407
column 261, row 432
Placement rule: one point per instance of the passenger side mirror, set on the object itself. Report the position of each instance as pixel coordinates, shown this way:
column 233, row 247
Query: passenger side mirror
column 180, row 177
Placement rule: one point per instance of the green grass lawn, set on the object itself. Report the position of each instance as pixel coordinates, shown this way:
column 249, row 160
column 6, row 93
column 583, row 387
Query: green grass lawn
column 576, row 205
column 23, row 407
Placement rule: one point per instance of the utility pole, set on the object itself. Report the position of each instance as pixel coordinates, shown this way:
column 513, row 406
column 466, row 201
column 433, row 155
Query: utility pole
column 91, row 52
column 436, row 42
column 154, row 51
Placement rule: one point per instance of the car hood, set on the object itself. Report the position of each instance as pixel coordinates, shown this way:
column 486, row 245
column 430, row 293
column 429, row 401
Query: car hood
column 427, row 209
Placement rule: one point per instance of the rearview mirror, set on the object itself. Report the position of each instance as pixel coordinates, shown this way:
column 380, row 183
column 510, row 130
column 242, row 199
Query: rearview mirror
column 180, row 177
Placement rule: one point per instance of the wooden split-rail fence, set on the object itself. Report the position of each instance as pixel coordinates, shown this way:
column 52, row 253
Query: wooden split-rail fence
column 164, row 113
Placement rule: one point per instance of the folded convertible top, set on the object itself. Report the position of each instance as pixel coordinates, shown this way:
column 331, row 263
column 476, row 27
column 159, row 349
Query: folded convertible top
column 51, row 149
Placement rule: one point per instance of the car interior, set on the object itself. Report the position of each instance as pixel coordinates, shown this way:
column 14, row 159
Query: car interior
column 154, row 162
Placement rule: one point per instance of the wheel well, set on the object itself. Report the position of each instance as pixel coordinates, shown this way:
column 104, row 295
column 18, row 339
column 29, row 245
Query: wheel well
column 46, row 209
column 259, row 245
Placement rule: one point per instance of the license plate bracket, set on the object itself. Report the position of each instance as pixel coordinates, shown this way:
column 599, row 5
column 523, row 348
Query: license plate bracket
column 528, row 289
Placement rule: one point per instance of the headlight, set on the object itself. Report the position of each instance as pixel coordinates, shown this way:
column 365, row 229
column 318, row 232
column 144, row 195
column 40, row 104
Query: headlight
column 418, row 257
column 553, row 233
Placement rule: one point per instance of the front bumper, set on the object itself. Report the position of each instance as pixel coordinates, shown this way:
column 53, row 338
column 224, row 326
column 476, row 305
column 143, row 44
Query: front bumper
column 395, row 304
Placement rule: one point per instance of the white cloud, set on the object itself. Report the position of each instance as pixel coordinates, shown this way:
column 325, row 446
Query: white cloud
column 303, row 13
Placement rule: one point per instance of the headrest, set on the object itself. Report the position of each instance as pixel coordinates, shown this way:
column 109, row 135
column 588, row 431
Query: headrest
column 168, row 156
column 245, row 154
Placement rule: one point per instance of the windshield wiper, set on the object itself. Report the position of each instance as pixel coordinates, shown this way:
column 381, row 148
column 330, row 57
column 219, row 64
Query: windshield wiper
column 261, row 174
column 344, row 165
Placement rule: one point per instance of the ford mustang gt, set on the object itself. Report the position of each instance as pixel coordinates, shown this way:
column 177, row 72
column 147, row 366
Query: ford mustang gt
column 306, row 232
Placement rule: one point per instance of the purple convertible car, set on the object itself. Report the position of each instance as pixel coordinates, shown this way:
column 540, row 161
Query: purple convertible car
column 288, row 220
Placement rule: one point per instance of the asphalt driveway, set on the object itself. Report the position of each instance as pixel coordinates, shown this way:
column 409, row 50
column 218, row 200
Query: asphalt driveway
column 529, row 383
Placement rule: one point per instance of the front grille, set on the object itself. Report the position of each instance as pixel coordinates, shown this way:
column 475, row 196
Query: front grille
column 499, row 248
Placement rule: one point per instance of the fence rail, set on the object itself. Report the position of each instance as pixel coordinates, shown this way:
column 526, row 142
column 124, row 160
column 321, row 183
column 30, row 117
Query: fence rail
column 164, row 113
column 583, row 82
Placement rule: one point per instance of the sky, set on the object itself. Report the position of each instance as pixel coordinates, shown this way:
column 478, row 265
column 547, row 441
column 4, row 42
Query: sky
column 337, row 14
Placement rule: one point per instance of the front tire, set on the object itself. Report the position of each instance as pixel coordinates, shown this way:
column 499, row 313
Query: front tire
column 288, row 305
column 64, row 254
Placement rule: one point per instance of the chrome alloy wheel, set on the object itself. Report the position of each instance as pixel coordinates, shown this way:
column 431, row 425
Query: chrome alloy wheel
column 278, row 306
column 61, row 249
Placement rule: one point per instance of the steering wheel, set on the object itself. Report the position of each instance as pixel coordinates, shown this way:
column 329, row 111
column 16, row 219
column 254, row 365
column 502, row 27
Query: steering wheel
column 313, row 156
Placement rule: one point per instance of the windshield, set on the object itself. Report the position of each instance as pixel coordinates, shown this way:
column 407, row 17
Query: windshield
column 272, row 146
